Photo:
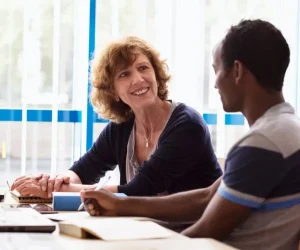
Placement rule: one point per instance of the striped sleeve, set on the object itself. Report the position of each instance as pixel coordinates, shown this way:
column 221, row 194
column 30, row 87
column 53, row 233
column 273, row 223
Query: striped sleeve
column 253, row 169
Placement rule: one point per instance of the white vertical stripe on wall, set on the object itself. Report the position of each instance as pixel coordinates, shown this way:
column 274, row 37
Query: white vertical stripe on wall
column 55, row 75
column 298, row 57
column 80, row 66
column 115, row 18
column 26, row 56
column 80, row 74
column 141, row 22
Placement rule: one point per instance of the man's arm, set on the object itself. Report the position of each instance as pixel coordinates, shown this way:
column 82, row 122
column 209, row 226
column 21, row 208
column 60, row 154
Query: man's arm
column 219, row 219
column 241, row 190
column 181, row 207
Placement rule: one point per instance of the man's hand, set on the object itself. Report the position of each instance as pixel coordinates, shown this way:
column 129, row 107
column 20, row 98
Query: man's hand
column 181, row 207
column 102, row 202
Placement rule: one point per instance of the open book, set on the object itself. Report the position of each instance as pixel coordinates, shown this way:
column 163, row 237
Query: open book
column 113, row 229
column 84, row 216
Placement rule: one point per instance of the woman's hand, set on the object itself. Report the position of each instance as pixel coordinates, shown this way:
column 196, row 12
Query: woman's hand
column 53, row 183
column 29, row 186
column 102, row 202
column 41, row 185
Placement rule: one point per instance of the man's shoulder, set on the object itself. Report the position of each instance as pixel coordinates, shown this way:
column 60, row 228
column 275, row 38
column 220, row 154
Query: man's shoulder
column 251, row 147
column 278, row 132
column 271, row 125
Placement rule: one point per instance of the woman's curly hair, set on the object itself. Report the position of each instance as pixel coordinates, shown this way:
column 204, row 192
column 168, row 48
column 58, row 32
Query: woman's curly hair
column 103, row 70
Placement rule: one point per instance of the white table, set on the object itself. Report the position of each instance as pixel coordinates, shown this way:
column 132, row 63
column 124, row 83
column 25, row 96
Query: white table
column 175, row 242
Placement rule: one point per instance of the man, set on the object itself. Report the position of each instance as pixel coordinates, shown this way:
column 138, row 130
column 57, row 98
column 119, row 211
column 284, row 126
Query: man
column 257, row 204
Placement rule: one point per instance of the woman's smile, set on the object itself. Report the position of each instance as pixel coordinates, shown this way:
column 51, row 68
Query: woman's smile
column 140, row 91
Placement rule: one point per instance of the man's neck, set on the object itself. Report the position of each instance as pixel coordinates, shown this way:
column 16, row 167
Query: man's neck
column 254, row 108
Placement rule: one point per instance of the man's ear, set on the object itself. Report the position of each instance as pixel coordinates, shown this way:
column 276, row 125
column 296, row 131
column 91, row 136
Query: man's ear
column 239, row 70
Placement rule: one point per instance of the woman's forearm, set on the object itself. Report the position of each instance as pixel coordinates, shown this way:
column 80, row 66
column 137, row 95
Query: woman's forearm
column 112, row 188
column 76, row 187
column 74, row 178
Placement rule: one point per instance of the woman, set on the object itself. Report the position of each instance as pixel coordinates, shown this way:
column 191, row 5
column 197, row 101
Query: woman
column 160, row 146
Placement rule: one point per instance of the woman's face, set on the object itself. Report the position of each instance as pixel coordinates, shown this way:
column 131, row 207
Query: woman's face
column 136, row 85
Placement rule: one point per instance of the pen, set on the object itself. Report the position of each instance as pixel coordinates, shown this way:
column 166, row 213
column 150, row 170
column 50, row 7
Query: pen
column 8, row 184
column 99, row 186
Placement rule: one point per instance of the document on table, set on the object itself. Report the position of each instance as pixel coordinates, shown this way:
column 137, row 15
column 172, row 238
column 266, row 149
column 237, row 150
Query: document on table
column 114, row 229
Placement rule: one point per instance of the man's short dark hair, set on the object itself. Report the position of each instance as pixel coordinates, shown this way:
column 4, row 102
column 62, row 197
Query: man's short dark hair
column 261, row 47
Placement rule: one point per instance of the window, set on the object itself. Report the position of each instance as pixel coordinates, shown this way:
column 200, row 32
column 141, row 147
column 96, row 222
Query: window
column 36, row 74
column 44, row 47
column 185, row 33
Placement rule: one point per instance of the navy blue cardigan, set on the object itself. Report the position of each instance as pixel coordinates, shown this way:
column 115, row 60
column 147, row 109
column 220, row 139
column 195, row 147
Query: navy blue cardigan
column 184, row 159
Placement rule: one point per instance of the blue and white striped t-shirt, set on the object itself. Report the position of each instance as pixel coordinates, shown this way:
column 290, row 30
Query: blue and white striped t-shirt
column 262, row 171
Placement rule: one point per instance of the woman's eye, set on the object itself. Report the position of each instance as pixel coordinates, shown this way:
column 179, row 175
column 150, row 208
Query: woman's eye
column 123, row 74
column 143, row 68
